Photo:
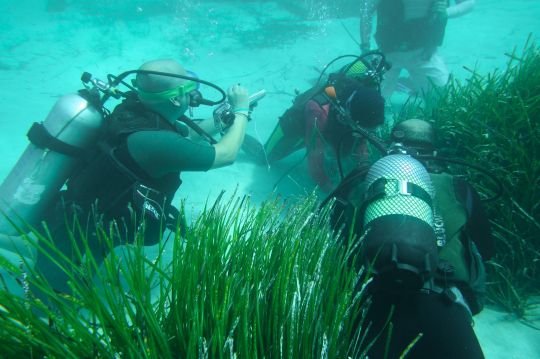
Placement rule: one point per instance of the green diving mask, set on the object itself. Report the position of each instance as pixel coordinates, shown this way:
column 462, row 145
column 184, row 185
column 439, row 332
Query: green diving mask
column 367, row 68
column 360, row 71
column 172, row 94
column 356, row 70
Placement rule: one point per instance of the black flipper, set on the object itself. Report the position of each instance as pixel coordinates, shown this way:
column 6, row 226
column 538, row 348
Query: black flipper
column 254, row 149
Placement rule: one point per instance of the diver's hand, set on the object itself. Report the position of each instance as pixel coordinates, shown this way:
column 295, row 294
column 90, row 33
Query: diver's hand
column 238, row 97
column 439, row 10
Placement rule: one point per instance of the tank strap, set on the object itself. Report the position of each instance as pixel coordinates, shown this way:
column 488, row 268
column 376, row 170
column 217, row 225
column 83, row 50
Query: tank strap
column 40, row 137
column 378, row 190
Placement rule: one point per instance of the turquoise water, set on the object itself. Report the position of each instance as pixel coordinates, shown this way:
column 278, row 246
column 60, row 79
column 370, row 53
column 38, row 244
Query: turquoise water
column 279, row 46
column 275, row 45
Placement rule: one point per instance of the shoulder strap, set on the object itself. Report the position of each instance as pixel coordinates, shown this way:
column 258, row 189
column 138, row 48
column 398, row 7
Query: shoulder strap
column 131, row 116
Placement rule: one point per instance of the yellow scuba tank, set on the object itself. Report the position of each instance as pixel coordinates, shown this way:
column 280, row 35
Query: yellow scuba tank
column 57, row 144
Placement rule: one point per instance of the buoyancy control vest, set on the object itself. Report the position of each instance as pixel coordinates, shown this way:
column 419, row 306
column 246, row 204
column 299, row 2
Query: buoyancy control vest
column 113, row 185
column 459, row 261
column 395, row 33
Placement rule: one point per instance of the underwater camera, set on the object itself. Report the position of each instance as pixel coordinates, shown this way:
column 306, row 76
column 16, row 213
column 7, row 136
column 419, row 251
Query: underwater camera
column 224, row 115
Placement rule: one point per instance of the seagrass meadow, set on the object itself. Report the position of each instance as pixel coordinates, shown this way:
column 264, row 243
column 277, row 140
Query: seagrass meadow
column 246, row 281
column 493, row 120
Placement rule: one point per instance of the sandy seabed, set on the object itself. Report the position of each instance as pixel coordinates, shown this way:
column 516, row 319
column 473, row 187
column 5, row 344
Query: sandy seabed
column 259, row 44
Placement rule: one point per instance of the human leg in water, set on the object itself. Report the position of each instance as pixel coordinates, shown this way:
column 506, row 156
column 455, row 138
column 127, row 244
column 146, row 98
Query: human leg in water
column 442, row 328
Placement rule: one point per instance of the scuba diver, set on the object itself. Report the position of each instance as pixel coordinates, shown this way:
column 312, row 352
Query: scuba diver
column 423, row 235
column 409, row 33
column 320, row 119
column 127, row 176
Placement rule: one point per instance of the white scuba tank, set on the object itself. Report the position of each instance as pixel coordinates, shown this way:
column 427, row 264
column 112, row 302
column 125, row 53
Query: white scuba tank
column 34, row 182
column 399, row 239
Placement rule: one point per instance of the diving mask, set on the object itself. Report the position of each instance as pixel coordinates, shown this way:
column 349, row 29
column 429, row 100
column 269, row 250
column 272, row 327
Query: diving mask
column 174, row 95
column 171, row 94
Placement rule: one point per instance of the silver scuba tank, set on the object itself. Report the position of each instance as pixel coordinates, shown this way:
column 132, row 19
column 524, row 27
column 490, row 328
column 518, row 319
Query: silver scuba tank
column 34, row 182
column 398, row 228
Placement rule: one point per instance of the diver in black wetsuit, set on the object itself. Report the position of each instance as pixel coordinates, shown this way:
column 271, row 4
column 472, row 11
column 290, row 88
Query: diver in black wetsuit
column 425, row 235
column 131, row 179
